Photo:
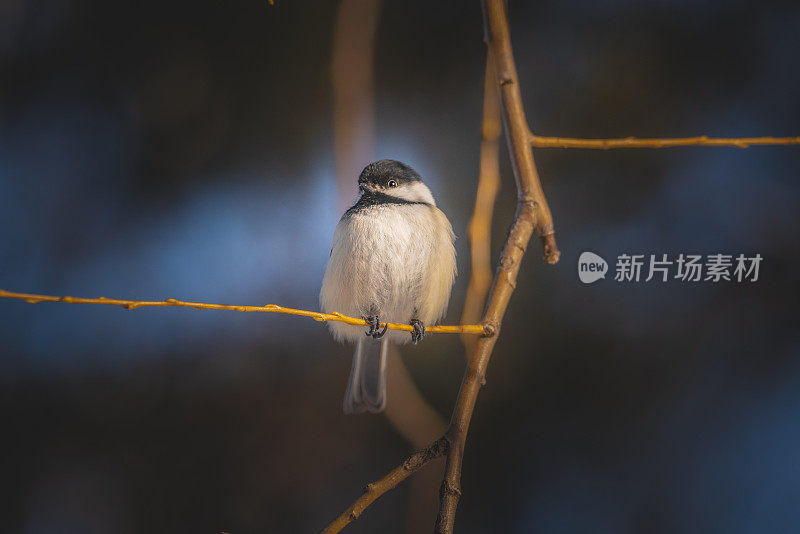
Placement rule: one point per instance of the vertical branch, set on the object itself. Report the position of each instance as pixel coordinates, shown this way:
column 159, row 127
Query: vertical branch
column 532, row 216
column 479, row 230
column 353, row 102
column 518, row 134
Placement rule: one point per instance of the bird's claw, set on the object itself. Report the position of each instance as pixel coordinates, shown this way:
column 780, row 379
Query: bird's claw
column 419, row 331
column 374, row 327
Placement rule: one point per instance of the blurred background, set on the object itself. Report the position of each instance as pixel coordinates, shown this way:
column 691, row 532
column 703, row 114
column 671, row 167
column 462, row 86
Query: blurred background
column 186, row 150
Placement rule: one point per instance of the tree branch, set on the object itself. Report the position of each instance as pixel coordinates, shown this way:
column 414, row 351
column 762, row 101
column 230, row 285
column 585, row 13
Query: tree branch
column 635, row 142
column 413, row 463
column 352, row 65
column 479, row 230
column 532, row 216
column 529, row 188
column 269, row 308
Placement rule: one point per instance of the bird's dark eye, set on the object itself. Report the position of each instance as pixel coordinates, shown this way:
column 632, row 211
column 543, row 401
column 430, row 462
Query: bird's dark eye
column 392, row 183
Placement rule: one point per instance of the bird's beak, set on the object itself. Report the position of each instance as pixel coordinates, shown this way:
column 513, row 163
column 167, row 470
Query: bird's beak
column 365, row 187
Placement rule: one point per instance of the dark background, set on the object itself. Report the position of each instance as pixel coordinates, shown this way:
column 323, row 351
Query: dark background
column 152, row 150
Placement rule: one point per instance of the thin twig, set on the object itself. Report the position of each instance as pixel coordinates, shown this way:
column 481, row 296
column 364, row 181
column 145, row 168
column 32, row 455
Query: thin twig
column 479, row 230
column 413, row 463
column 532, row 216
column 636, row 142
column 269, row 308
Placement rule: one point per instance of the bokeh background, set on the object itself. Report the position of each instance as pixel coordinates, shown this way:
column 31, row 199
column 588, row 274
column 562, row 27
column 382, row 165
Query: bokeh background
column 184, row 149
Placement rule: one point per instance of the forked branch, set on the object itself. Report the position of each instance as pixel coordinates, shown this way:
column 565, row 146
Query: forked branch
column 413, row 463
column 529, row 188
column 532, row 216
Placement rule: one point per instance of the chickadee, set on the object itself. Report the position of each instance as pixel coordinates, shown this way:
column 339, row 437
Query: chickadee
column 392, row 260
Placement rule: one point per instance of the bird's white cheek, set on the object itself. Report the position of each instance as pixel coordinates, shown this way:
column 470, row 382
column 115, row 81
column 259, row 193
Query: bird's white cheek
column 415, row 192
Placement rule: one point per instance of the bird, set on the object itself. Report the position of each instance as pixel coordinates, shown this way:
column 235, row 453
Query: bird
column 392, row 259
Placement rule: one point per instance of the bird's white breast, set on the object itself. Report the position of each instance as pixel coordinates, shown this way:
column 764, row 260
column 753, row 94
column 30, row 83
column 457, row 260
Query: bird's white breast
column 393, row 260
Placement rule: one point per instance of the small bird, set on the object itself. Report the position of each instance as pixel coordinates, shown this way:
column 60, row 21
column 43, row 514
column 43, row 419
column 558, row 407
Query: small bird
column 392, row 260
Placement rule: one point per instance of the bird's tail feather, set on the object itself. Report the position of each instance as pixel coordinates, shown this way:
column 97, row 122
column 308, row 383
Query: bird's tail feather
column 366, row 391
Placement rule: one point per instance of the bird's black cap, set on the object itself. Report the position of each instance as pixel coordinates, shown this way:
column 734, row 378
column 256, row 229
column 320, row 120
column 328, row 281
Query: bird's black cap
column 380, row 172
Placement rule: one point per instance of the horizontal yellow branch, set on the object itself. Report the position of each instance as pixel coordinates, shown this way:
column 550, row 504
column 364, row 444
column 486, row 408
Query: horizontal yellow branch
column 270, row 308
column 636, row 142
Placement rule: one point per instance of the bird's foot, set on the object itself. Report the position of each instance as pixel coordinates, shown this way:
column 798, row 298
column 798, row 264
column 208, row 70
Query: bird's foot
column 419, row 331
column 374, row 326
